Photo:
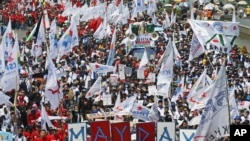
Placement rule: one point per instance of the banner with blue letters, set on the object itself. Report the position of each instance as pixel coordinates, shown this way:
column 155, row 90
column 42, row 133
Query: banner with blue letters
column 77, row 131
column 166, row 131
column 187, row 134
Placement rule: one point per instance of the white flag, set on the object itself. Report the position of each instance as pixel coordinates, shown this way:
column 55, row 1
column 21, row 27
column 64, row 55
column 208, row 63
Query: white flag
column 10, row 79
column 52, row 88
column 117, row 102
column 164, row 56
column 95, row 89
column 179, row 90
column 125, row 107
column 99, row 68
column 53, row 50
column 140, row 112
column 165, row 75
column 144, row 59
column 39, row 40
column 46, row 19
column 45, row 119
column 7, row 42
column 196, row 48
column 215, row 117
column 154, row 114
column 100, row 32
column 68, row 40
column 232, row 104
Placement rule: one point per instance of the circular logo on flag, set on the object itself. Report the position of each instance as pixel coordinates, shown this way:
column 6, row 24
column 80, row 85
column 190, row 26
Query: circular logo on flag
column 218, row 26
column 234, row 29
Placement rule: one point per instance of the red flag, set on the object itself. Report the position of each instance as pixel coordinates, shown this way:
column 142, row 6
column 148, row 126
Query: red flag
column 120, row 131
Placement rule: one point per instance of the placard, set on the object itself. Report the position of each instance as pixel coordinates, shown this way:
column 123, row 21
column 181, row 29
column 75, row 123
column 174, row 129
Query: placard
column 151, row 77
column 145, row 131
column 166, row 131
column 120, row 131
column 113, row 79
column 107, row 100
column 187, row 134
column 77, row 131
column 140, row 73
column 121, row 71
column 152, row 90
column 128, row 71
column 100, row 131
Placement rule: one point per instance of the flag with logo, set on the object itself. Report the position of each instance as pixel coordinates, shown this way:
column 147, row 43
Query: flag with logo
column 53, row 50
column 95, row 89
column 217, row 33
column 215, row 115
column 101, row 69
column 117, row 102
column 168, row 50
column 165, row 75
column 179, row 90
column 10, row 79
column 68, row 40
column 125, row 107
column 52, row 87
column 140, row 112
column 196, row 48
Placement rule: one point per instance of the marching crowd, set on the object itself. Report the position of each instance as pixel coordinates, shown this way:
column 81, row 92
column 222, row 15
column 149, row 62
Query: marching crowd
column 73, row 70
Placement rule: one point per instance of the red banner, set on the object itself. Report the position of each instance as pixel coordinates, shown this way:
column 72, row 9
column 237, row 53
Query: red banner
column 100, row 131
column 120, row 131
column 145, row 131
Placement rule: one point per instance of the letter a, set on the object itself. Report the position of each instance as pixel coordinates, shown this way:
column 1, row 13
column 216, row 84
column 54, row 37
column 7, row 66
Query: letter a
column 167, row 136
column 237, row 132
column 100, row 134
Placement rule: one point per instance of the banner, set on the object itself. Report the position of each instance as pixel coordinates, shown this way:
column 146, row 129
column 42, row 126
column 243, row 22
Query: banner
column 120, row 131
column 100, row 131
column 77, row 131
column 187, row 134
column 145, row 131
column 6, row 136
column 166, row 131
column 140, row 112
column 121, row 71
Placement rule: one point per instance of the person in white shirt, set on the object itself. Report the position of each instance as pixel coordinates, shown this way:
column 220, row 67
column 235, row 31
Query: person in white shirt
column 20, row 136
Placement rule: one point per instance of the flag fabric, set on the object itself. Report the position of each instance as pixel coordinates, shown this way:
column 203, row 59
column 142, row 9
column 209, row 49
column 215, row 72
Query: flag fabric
column 117, row 102
column 53, row 50
column 45, row 119
column 112, row 50
column 232, row 104
column 179, row 91
column 217, row 33
column 4, row 98
column 100, row 68
column 100, row 32
column 154, row 114
column 52, row 88
column 35, row 30
column 196, row 48
column 40, row 38
column 7, row 43
column 234, row 16
column 166, row 53
column 95, row 89
column 177, row 55
column 215, row 116
column 144, row 59
column 46, row 19
column 68, row 40
column 165, row 75
column 167, row 22
column 10, row 79
column 173, row 17
column 125, row 107
column 140, row 112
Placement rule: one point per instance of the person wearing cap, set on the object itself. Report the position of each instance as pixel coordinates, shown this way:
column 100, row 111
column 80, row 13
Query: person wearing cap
column 237, row 120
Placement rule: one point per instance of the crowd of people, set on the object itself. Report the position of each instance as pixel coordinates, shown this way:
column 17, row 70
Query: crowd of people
column 73, row 71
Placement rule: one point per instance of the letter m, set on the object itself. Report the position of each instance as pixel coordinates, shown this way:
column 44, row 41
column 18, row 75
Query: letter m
column 73, row 135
